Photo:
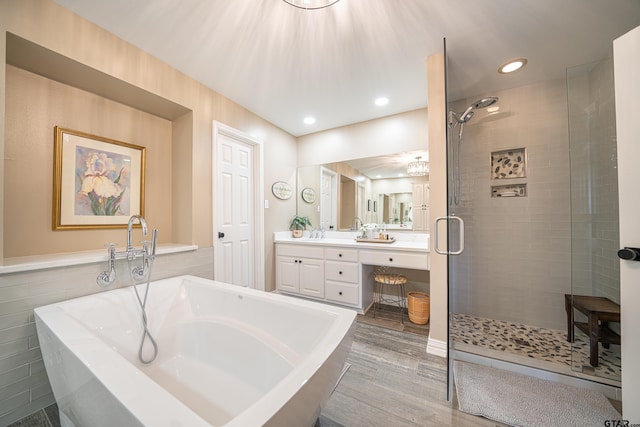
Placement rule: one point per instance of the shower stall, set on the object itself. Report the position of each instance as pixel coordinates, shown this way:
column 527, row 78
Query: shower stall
column 532, row 178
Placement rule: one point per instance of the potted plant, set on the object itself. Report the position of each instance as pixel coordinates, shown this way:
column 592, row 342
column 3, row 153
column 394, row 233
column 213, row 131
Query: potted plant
column 299, row 224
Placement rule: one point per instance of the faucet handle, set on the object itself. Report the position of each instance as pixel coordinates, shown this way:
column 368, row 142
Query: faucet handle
column 111, row 248
column 149, row 246
column 154, row 241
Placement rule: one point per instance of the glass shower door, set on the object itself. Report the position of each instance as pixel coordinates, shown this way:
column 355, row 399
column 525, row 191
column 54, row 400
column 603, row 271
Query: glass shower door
column 454, row 245
column 595, row 268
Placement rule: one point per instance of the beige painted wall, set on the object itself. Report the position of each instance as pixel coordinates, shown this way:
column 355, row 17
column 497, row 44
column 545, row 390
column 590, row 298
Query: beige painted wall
column 438, row 200
column 34, row 105
column 179, row 199
column 189, row 220
column 387, row 135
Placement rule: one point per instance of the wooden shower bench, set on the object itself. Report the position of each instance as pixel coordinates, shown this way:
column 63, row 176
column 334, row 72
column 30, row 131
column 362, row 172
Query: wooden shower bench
column 599, row 311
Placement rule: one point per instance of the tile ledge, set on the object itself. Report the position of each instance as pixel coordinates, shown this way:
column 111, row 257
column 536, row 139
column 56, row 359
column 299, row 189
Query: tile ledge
column 40, row 262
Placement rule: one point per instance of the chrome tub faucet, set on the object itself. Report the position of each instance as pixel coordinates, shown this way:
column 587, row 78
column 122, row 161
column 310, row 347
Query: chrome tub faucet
column 148, row 253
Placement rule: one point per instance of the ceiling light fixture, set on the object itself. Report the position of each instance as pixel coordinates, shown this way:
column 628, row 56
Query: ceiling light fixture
column 418, row 167
column 311, row 4
column 381, row 101
column 309, row 120
column 513, row 65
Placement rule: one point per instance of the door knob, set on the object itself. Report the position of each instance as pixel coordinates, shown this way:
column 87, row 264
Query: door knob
column 220, row 235
column 629, row 254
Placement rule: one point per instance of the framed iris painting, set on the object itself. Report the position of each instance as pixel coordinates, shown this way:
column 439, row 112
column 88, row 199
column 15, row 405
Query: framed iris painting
column 97, row 182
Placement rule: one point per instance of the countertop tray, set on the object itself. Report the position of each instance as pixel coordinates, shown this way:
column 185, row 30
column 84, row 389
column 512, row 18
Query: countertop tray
column 390, row 240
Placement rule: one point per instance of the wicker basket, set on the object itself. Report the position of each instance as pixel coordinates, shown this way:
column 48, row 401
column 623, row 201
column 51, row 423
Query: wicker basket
column 418, row 303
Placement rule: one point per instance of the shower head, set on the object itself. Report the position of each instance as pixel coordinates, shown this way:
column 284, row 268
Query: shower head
column 484, row 102
column 459, row 118
column 465, row 116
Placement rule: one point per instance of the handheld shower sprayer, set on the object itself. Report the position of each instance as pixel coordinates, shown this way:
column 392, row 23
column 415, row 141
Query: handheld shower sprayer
column 456, row 119
column 466, row 115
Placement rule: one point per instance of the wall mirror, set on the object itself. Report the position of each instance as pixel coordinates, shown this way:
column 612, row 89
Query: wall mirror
column 373, row 189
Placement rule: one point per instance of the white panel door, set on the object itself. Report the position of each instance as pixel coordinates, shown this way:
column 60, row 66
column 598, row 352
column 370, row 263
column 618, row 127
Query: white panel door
column 626, row 56
column 420, row 207
column 234, row 212
column 328, row 199
column 362, row 203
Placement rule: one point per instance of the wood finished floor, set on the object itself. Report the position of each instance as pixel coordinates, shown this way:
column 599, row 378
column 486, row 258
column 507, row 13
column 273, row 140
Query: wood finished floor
column 393, row 382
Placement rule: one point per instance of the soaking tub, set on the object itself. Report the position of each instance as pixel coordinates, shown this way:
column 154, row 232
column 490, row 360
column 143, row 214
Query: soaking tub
column 227, row 356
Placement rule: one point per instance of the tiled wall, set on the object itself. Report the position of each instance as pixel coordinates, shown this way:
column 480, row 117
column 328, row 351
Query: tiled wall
column 516, row 263
column 594, row 181
column 24, row 387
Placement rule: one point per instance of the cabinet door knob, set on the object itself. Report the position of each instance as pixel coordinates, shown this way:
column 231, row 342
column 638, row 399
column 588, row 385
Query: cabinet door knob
column 340, row 293
column 339, row 272
column 390, row 259
column 295, row 260
column 340, row 255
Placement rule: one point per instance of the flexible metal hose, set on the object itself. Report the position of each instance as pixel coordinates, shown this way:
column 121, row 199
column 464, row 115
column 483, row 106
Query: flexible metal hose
column 143, row 304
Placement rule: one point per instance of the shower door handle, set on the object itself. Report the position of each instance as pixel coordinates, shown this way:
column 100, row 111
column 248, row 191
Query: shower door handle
column 629, row 254
column 437, row 245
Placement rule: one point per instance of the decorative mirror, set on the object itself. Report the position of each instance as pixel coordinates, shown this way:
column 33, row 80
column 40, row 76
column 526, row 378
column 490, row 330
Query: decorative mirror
column 308, row 195
column 281, row 190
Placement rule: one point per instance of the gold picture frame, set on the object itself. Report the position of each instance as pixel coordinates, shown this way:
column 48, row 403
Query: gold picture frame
column 98, row 182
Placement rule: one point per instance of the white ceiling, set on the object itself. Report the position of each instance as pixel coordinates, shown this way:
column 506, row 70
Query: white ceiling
column 387, row 167
column 284, row 63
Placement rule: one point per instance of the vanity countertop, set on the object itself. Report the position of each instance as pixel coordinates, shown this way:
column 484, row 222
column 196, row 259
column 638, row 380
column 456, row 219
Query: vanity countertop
column 416, row 242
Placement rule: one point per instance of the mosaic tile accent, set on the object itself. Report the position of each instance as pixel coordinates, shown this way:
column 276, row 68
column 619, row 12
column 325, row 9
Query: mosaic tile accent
column 508, row 164
column 537, row 343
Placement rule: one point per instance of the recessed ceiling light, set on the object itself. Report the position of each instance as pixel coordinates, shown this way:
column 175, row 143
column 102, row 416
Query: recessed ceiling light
column 400, row 175
column 309, row 120
column 513, row 65
column 311, row 4
column 381, row 101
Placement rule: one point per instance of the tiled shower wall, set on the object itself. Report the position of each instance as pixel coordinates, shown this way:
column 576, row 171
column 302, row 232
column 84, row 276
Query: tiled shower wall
column 594, row 181
column 24, row 387
column 516, row 263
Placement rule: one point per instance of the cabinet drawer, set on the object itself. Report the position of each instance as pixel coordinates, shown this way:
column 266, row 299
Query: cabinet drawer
column 341, row 271
column 415, row 260
column 339, row 254
column 343, row 293
column 300, row 251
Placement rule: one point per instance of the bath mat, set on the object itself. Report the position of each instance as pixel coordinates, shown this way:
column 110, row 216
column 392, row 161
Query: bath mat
column 521, row 400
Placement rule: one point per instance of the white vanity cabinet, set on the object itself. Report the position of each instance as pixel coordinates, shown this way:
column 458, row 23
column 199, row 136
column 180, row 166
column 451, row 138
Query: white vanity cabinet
column 300, row 270
column 342, row 276
column 338, row 271
column 415, row 260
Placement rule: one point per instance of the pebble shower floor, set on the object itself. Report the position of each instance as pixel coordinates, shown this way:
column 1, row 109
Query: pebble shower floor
column 543, row 344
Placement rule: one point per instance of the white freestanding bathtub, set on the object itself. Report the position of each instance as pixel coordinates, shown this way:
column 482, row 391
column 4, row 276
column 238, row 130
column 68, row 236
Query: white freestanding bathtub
column 228, row 356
